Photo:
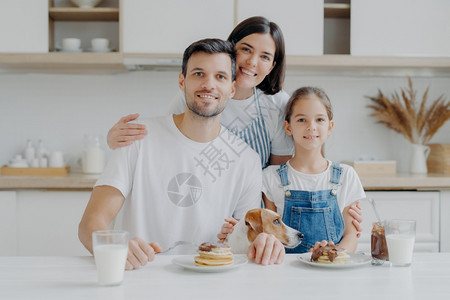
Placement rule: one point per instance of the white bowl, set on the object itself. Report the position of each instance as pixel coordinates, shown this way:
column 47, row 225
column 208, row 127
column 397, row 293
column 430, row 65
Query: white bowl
column 86, row 3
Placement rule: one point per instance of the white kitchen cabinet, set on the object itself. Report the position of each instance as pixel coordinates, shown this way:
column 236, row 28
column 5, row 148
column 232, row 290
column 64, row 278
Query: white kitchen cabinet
column 301, row 21
column 24, row 26
column 161, row 26
column 422, row 206
column 8, row 245
column 445, row 221
column 47, row 222
column 400, row 28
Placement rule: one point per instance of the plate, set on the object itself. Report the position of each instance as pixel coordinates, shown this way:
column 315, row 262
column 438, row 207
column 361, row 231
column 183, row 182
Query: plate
column 70, row 50
column 356, row 260
column 99, row 50
column 188, row 263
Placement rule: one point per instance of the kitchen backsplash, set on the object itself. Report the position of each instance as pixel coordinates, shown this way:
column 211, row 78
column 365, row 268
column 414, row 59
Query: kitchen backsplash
column 60, row 109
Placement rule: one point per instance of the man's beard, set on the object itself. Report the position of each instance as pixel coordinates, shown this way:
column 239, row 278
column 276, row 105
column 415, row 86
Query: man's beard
column 203, row 112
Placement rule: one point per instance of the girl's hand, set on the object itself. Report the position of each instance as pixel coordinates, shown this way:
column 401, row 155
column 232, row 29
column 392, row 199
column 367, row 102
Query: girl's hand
column 123, row 133
column 355, row 212
column 321, row 244
column 227, row 228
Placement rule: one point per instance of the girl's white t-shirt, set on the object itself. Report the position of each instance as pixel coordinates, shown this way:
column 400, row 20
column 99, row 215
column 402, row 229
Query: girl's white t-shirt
column 238, row 114
column 349, row 189
column 178, row 189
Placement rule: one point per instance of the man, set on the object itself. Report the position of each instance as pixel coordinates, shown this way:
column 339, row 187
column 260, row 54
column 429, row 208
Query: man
column 188, row 174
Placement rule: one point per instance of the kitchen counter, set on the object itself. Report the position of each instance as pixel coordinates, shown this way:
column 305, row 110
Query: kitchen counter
column 59, row 277
column 406, row 182
column 76, row 181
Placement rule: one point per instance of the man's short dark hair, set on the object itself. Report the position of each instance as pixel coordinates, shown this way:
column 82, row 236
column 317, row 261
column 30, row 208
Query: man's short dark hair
column 210, row 46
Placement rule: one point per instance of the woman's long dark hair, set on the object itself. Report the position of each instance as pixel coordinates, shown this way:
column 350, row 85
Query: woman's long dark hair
column 273, row 82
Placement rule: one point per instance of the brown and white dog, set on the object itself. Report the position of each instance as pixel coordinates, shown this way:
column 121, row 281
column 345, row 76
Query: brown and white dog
column 257, row 221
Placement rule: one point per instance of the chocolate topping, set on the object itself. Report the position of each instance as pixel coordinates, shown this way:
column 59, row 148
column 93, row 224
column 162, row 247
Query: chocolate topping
column 209, row 246
column 333, row 252
column 379, row 248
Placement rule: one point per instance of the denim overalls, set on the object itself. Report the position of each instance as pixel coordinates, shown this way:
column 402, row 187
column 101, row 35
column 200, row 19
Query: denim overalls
column 315, row 214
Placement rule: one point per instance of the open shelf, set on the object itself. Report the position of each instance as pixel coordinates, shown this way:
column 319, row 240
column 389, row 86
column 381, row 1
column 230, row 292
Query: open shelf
column 115, row 61
column 100, row 14
column 382, row 65
column 63, row 62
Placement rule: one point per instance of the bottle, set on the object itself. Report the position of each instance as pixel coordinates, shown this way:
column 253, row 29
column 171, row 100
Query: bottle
column 93, row 160
column 378, row 243
column 29, row 152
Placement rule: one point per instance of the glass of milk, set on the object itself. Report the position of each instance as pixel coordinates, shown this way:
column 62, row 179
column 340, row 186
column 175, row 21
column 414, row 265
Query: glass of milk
column 400, row 238
column 110, row 253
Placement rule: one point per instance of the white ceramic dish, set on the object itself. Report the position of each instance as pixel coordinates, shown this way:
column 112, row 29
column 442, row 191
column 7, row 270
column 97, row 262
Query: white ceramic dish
column 188, row 263
column 18, row 164
column 86, row 3
column 99, row 50
column 356, row 260
column 70, row 50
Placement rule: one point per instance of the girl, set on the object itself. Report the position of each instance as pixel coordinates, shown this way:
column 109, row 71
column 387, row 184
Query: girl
column 311, row 193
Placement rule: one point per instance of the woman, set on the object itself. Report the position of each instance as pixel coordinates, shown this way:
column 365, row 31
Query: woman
column 256, row 113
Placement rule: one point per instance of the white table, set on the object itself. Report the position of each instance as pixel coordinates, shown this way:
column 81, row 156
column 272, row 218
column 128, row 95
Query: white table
column 75, row 278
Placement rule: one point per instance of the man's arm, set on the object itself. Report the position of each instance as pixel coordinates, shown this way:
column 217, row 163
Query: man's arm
column 103, row 207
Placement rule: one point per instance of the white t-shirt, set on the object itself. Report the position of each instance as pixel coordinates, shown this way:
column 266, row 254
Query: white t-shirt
column 178, row 189
column 349, row 190
column 240, row 113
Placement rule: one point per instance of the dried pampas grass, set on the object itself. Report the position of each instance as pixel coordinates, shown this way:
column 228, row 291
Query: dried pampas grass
column 417, row 124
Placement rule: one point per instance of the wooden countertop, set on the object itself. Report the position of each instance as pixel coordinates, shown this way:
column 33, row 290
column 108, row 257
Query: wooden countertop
column 406, row 182
column 76, row 181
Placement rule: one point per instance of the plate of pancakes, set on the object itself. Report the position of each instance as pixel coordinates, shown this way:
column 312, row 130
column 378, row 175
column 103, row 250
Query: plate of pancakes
column 334, row 257
column 211, row 258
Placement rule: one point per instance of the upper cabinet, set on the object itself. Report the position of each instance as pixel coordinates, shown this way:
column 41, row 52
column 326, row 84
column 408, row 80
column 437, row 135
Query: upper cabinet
column 161, row 26
column 364, row 36
column 400, row 28
column 34, row 29
column 301, row 22
column 24, row 26
column 66, row 21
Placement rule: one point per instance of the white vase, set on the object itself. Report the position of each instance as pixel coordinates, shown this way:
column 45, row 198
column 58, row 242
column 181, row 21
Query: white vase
column 419, row 155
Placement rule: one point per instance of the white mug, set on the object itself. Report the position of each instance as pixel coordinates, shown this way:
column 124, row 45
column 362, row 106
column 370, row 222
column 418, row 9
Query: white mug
column 56, row 160
column 35, row 163
column 71, row 43
column 100, row 44
column 43, row 162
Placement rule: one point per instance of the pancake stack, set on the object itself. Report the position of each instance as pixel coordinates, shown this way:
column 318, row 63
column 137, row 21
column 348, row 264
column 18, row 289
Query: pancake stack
column 330, row 255
column 214, row 255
